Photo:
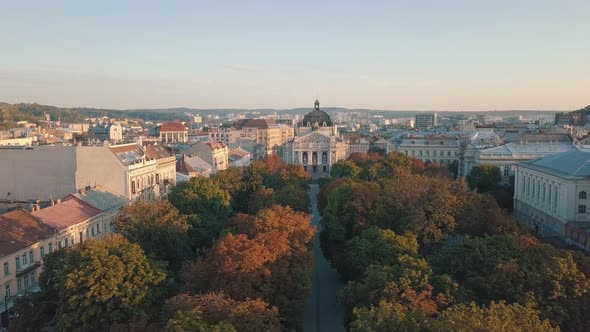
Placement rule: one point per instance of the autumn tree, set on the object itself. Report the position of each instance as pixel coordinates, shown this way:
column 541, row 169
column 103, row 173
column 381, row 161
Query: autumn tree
column 158, row 227
column 218, row 309
column 496, row 317
column 101, row 282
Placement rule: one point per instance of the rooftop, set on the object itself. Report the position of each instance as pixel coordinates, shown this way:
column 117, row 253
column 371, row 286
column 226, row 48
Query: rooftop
column 68, row 213
column 173, row 126
column 101, row 199
column 157, row 151
column 19, row 229
column 573, row 163
column 128, row 154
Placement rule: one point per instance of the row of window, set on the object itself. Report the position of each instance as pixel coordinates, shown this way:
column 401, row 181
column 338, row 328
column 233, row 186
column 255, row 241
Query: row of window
column 29, row 258
column 22, row 285
column 434, row 153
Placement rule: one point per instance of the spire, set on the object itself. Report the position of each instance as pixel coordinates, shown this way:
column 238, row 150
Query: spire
column 316, row 105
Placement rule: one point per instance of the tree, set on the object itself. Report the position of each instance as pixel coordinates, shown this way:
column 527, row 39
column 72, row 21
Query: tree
column 496, row 317
column 101, row 282
column 484, row 178
column 345, row 168
column 207, row 203
column 158, row 228
column 193, row 321
column 389, row 317
column 217, row 308
column 375, row 247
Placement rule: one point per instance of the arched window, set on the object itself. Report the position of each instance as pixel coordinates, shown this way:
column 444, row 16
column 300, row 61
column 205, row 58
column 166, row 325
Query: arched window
column 506, row 171
column 582, row 195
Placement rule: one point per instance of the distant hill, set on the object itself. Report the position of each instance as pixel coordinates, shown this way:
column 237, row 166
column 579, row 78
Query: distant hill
column 11, row 113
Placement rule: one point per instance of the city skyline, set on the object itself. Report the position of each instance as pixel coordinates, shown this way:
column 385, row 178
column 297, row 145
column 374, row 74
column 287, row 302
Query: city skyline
column 456, row 56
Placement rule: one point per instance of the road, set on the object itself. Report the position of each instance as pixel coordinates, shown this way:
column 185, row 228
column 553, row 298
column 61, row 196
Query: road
column 323, row 313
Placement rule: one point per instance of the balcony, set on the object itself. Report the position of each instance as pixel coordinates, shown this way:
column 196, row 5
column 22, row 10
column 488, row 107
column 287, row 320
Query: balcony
column 22, row 271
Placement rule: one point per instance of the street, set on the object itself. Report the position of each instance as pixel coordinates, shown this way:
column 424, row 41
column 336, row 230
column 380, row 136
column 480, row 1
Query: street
column 323, row 313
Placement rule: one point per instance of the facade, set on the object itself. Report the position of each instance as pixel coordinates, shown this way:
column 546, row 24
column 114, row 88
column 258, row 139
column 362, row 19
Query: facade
column 265, row 132
column 318, row 147
column 26, row 237
column 43, row 172
column 21, row 238
column 23, row 141
column 165, row 167
column 224, row 135
column 552, row 192
column 438, row 149
column 358, row 145
column 425, row 121
column 172, row 133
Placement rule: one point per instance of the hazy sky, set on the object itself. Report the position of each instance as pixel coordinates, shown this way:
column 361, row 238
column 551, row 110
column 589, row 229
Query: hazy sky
column 428, row 55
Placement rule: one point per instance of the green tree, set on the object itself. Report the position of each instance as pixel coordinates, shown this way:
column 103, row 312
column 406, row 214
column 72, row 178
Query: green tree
column 158, row 228
column 192, row 321
column 345, row 168
column 484, row 178
column 101, row 282
column 207, row 204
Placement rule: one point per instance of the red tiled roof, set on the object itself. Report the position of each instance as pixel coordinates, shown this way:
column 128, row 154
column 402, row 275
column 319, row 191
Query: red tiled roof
column 173, row 126
column 19, row 229
column 67, row 213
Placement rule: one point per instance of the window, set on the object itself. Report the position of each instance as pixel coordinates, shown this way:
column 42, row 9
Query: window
column 7, row 289
column 17, row 259
column 582, row 195
column 448, row 153
column 582, row 208
column 66, row 242
column 6, row 269
column 133, row 186
column 50, row 248
column 506, row 171
column 19, row 286
column 27, row 281
column 98, row 228
column 42, row 251
column 31, row 257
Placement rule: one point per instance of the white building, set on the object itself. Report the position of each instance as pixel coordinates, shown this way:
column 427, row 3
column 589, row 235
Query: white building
column 552, row 192
column 317, row 146
column 435, row 148
column 213, row 153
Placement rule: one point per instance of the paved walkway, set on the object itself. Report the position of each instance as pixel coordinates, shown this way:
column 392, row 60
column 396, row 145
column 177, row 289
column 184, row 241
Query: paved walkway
column 322, row 311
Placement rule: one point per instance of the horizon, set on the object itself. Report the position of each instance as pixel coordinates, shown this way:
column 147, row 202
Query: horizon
column 431, row 56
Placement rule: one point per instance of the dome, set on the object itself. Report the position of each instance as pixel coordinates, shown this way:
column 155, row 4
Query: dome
column 316, row 118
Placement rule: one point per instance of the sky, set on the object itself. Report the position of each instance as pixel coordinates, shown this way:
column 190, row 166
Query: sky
column 449, row 55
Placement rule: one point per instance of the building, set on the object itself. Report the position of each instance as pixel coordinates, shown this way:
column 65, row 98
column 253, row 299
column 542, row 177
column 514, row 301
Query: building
column 24, row 141
column 45, row 172
column 225, row 135
column 165, row 167
column 239, row 157
column 357, row 144
column 265, row 132
column 317, row 146
column 213, row 153
column 172, row 133
column 506, row 156
column 106, row 132
column 193, row 166
column 551, row 193
column 26, row 237
column 567, row 119
column 440, row 149
column 425, row 121
column 21, row 238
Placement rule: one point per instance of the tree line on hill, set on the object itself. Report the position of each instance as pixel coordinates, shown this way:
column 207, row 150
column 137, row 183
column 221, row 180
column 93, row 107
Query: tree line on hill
column 231, row 252
column 421, row 251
